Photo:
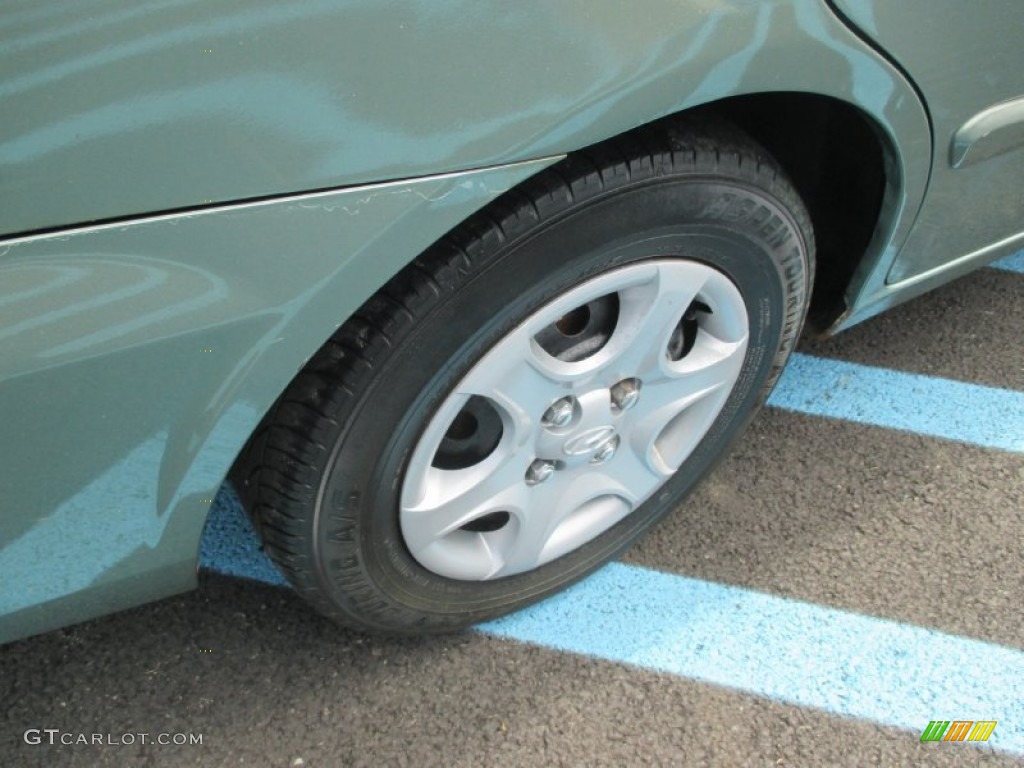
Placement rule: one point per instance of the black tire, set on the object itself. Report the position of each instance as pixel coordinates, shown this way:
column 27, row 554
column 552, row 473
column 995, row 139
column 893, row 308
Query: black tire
column 323, row 474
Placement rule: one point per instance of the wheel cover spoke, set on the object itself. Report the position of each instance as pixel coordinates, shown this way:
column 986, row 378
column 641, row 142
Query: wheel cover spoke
column 649, row 313
column 564, row 514
column 549, row 487
column 514, row 377
column 677, row 409
column 451, row 499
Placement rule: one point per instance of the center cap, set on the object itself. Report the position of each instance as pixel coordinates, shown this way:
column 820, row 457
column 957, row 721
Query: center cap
column 589, row 441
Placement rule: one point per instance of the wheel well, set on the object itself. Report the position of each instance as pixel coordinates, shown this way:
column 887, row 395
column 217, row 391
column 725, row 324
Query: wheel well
column 835, row 157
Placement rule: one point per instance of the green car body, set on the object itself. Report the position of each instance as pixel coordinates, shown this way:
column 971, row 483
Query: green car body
column 194, row 196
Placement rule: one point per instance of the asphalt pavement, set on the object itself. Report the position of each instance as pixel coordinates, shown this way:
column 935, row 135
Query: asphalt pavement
column 852, row 572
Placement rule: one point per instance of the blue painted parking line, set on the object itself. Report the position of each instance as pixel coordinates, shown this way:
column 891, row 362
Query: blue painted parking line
column 1014, row 263
column 799, row 653
column 231, row 546
column 850, row 665
column 953, row 410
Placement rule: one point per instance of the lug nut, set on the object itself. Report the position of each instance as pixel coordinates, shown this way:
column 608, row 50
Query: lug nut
column 606, row 450
column 625, row 394
column 559, row 413
column 539, row 471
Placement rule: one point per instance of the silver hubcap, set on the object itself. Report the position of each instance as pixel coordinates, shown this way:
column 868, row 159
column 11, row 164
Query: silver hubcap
column 573, row 419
